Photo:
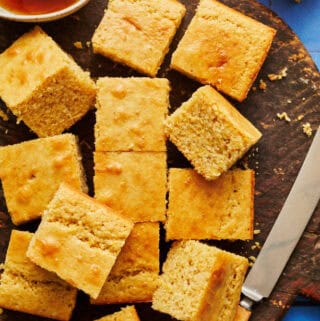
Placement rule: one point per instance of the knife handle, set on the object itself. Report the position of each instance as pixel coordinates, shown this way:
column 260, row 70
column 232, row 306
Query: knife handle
column 242, row 314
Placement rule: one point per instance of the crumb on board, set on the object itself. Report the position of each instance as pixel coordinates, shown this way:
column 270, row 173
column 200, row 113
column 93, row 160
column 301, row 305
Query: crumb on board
column 289, row 101
column 278, row 171
column 3, row 115
column 284, row 116
column 257, row 231
column 279, row 304
column 262, row 84
column 300, row 117
column 279, row 76
column 296, row 57
column 306, row 127
column 88, row 43
column 78, row 44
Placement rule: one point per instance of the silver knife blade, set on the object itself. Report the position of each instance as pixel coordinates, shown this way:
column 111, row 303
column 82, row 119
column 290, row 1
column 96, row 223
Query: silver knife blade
column 287, row 230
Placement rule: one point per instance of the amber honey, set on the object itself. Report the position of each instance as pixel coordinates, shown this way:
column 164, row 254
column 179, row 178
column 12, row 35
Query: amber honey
column 31, row 7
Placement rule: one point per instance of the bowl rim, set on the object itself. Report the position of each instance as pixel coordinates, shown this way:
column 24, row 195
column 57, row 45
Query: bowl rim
column 5, row 14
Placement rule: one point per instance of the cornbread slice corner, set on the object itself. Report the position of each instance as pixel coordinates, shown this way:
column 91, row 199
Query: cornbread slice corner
column 138, row 33
column 79, row 239
column 25, row 287
column 131, row 113
column 54, row 92
column 127, row 313
column 200, row 282
column 32, row 171
column 224, row 48
column 132, row 183
column 135, row 275
column 225, row 205
column 210, row 132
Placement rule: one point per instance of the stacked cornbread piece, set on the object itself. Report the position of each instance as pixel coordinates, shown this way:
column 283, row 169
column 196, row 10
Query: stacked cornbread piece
column 108, row 245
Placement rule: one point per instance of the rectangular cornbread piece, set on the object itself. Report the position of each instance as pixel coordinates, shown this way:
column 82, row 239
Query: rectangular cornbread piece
column 32, row 171
column 79, row 239
column 132, row 183
column 127, row 313
column 25, row 287
column 138, row 33
column 54, row 92
column 135, row 275
column 130, row 114
column 210, row 132
column 225, row 205
column 200, row 282
column 224, row 48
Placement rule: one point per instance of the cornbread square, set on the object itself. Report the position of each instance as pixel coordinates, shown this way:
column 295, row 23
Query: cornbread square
column 138, row 33
column 131, row 113
column 135, row 275
column 25, row 287
column 127, row 313
column 225, row 205
column 32, row 171
column 133, row 183
column 200, row 282
column 224, row 48
column 79, row 239
column 210, row 132
column 54, row 92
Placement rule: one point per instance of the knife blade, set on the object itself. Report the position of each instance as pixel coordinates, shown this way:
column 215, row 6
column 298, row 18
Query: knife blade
column 286, row 231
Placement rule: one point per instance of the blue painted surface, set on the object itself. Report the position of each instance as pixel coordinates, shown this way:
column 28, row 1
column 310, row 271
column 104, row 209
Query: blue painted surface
column 304, row 20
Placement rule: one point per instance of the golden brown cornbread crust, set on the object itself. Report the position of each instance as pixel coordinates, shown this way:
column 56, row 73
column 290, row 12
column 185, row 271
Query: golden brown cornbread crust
column 32, row 171
column 135, row 275
column 54, row 92
column 127, row 313
column 25, row 287
column 225, row 205
column 138, row 33
column 210, row 132
column 79, row 239
column 224, row 48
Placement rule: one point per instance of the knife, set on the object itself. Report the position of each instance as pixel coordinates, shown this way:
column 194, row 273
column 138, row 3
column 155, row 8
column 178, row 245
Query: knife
column 286, row 232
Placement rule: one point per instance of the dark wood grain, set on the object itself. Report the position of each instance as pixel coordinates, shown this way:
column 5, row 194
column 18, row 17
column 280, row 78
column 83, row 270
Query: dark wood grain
column 276, row 159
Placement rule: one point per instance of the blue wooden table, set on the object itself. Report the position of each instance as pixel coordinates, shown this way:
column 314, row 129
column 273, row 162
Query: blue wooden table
column 304, row 19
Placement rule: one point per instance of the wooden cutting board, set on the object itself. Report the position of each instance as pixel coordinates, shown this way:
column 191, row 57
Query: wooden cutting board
column 276, row 159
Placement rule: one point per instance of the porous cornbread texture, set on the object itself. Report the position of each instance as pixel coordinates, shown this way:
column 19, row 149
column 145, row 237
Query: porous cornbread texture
column 210, row 132
column 79, row 239
column 54, row 92
column 138, row 33
column 201, row 209
column 135, row 275
column 133, row 183
column 25, row 287
column 224, row 48
column 32, row 171
column 200, row 282
column 130, row 114
column 127, row 313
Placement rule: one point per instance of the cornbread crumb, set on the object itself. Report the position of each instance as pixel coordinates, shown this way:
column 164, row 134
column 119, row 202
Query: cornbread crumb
column 222, row 204
column 25, row 287
column 32, row 171
column 300, row 117
column 210, row 132
column 88, row 44
column 127, row 313
column 284, row 116
column 280, row 75
column 257, row 231
column 84, row 236
column 279, row 171
column 78, row 44
column 200, row 282
column 54, row 92
column 138, row 33
column 306, row 127
column 262, row 84
column 224, row 48
column 4, row 116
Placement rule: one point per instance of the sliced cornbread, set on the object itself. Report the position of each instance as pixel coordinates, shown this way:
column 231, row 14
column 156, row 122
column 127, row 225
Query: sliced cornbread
column 200, row 282
column 130, row 114
column 138, row 33
column 32, row 171
column 225, row 205
column 127, row 313
column 25, row 287
column 224, row 48
column 210, row 132
column 133, row 183
column 135, row 275
column 79, row 239
column 54, row 92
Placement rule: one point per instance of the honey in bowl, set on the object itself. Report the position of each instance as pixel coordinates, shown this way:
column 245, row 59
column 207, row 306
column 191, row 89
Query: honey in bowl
column 35, row 7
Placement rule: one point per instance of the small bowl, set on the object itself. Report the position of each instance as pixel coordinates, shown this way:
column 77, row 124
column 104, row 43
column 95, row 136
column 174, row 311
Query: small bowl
column 5, row 14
